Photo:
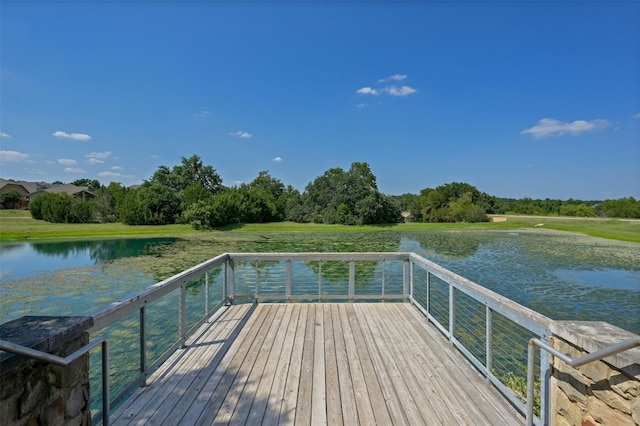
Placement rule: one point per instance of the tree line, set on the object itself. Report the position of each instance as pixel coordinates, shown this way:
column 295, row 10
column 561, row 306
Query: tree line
column 193, row 193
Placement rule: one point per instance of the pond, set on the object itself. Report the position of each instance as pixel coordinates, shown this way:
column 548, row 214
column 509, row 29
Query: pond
column 561, row 275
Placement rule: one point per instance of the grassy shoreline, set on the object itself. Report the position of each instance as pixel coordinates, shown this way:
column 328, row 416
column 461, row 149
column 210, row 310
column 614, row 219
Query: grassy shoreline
column 17, row 225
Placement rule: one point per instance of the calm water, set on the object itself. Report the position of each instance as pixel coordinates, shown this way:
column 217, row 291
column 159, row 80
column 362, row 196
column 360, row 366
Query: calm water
column 561, row 275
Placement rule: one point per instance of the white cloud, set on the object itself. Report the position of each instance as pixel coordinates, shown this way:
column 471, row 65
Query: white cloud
column 97, row 157
column 75, row 136
column 547, row 127
column 114, row 174
column 637, row 116
column 400, row 91
column 5, row 135
column 13, row 157
column 74, row 170
column 241, row 134
column 277, row 160
column 117, row 168
column 67, row 161
column 395, row 77
column 367, row 91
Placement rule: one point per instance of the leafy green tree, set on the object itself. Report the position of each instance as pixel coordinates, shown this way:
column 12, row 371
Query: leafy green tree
column 347, row 198
column 92, row 184
column 622, row 207
column 577, row 210
column 9, row 199
column 107, row 199
column 152, row 204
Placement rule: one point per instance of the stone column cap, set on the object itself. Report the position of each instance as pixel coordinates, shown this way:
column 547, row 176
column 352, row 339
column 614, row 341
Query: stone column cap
column 43, row 333
column 595, row 335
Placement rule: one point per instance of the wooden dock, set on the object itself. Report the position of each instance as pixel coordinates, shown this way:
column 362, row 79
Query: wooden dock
column 314, row 364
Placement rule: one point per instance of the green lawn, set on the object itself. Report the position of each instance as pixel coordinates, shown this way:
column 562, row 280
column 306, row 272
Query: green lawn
column 18, row 225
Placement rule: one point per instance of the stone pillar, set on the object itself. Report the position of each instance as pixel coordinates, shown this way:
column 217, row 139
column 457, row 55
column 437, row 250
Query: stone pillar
column 603, row 392
column 38, row 393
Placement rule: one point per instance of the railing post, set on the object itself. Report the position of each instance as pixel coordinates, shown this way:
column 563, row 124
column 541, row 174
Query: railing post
column 452, row 312
column 288, row 280
column 383, row 276
column 206, row 294
column 257, row 281
column 428, row 291
column 352, row 278
column 143, row 344
column 412, row 270
column 320, row 278
column 182, row 324
column 489, row 340
column 106, row 396
column 231, row 280
column 405, row 277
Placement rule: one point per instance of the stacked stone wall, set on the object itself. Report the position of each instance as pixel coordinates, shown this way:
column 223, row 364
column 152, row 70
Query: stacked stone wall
column 598, row 393
column 38, row 393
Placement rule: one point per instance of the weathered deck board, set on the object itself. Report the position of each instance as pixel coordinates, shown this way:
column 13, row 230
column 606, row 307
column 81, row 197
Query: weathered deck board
column 369, row 363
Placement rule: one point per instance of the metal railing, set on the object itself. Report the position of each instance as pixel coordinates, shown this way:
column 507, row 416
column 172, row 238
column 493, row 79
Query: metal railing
column 64, row 361
column 491, row 331
column 573, row 362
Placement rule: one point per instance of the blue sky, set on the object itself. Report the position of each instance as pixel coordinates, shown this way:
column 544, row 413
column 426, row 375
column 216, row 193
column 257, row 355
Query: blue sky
column 519, row 98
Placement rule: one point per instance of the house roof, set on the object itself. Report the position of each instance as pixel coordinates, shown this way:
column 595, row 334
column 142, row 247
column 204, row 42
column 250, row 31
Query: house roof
column 28, row 186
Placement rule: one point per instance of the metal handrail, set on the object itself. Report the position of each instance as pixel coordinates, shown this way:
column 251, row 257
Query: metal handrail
column 573, row 362
column 64, row 361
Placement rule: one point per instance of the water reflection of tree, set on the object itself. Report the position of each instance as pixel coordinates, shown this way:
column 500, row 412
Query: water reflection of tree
column 103, row 250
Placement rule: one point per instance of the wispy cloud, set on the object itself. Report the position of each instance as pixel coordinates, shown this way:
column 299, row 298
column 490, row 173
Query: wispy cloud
column 277, row 160
column 392, row 90
column 74, row 170
column 13, row 157
column 115, row 174
column 400, row 91
column 75, row 136
column 67, row 161
column 395, row 77
column 241, row 134
column 202, row 114
column 548, row 127
column 637, row 116
column 97, row 157
column 5, row 135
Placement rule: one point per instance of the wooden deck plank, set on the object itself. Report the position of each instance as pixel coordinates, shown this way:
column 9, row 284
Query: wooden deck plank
column 289, row 403
column 345, row 381
column 248, row 385
column 276, row 396
column 387, row 342
column 415, row 381
column 227, row 394
column 487, row 401
column 305, row 390
column 333, row 401
column 190, row 413
column 306, row 364
column 374, row 390
column 363, row 402
column 435, row 365
column 384, row 372
column 174, row 374
column 265, row 388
